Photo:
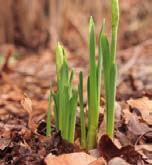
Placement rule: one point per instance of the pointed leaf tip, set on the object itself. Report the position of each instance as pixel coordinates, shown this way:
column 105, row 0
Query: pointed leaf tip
column 91, row 23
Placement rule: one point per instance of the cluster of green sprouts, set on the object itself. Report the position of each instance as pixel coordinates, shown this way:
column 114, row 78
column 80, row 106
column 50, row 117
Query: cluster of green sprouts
column 66, row 97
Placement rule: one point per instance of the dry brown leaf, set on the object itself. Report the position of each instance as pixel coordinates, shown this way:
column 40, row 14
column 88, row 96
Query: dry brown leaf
column 126, row 115
column 4, row 142
column 79, row 158
column 122, row 138
column 146, row 151
column 109, row 150
column 144, row 147
column 144, row 105
column 137, row 127
column 27, row 105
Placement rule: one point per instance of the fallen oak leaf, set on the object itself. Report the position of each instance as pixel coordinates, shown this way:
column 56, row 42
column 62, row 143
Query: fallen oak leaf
column 146, row 151
column 133, row 129
column 109, row 150
column 138, row 130
column 129, row 154
column 137, row 127
column 144, row 105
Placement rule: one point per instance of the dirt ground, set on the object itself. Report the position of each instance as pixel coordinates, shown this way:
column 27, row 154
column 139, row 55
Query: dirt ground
column 25, row 77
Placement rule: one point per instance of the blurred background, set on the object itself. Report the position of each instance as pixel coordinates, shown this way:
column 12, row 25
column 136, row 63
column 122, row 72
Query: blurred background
column 37, row 24
column 30, row 30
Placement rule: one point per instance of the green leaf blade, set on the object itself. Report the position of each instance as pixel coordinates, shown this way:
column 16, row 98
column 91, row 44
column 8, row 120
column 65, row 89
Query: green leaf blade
column 82, row 115
column 73, row 107
column 93, row 105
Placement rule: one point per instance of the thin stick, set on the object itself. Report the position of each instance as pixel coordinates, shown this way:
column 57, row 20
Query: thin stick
column 48, row 122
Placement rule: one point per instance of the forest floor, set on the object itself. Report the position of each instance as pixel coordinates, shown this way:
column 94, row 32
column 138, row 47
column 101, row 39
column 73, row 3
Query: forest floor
column 24, row 89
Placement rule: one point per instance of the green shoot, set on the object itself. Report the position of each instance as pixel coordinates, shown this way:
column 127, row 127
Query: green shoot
column 72, row 116
column 59, row 59
column 94, row 87
column 99, row 66
column 48, row 122
column 109, row 69
column 65, row 99
column 115, row 23
column 82, row 115
column 93, row 105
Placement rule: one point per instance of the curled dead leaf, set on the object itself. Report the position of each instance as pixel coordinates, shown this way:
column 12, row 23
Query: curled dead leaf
column 27, row 106
column 137, row 127
column 146, row 151
column 109, row 151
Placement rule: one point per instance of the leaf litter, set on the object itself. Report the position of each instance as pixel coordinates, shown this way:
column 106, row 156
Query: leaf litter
column 22, row 126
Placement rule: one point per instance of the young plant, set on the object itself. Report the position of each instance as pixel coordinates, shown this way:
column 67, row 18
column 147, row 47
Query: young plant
column 94, row 83
column 65, row 98
column 110, row 69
